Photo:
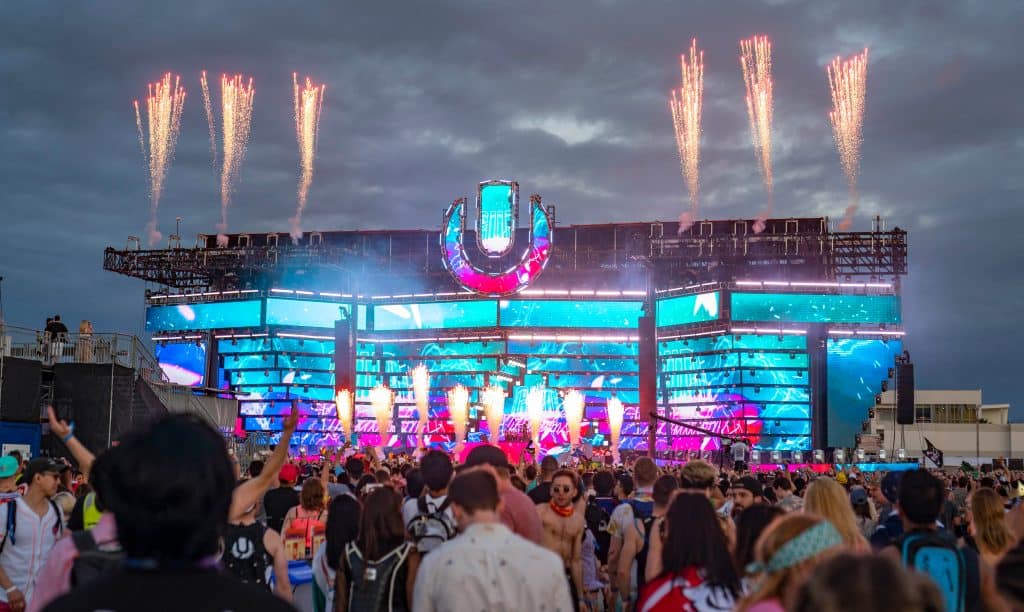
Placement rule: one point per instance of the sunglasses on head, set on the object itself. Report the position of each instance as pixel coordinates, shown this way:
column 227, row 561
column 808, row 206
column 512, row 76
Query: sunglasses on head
column 561, row 489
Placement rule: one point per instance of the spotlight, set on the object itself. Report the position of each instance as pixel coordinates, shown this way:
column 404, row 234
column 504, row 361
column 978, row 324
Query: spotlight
column 901, row 454
column 819, row 456
column 796, row 457
column 860, row 455
column 882, row 454
column 839, row 455
column 776, row 457
column 755, row 456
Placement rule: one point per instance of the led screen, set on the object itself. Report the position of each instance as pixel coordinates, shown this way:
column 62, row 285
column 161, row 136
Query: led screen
column 687, row 309
column 856, row 369
column 497, row 222
column 183, row 363
column 304, row 313
column 216, row 315
column 751, row 386
column 815, row 308
column 551, row 313
column 435, row 315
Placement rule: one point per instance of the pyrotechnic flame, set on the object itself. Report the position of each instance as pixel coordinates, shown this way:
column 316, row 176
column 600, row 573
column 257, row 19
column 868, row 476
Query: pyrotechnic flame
column 236, row 99
column 210, row 124
column 848, row 82
column 309, row 101
column 616, row 412
column 573, row 405
column 343, row 404
column 421, row 392
column 493, row 400
column 163, row 117
column 381, row 400
column 458, row 410
column 686, row 106
column 756, row 61
column 535, row 413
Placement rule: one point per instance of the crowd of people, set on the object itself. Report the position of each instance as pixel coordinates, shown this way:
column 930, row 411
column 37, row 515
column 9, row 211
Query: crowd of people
column 165, row 520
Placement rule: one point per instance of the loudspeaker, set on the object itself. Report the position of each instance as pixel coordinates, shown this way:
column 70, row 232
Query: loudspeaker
column 19, row 395
column 905, row 394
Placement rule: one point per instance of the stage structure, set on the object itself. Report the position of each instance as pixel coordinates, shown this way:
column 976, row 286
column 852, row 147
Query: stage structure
column 782, row 338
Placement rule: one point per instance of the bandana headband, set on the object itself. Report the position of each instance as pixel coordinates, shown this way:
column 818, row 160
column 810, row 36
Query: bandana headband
column 808, row 544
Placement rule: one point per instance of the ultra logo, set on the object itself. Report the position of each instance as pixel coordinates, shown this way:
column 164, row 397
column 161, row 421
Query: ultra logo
column 497, row 214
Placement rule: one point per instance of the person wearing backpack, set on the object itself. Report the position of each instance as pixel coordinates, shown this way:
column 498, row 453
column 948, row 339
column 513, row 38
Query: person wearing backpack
column 428, row 518
column 928, row 550
column 379, row 568
column 29, row 528
column 598, row 513
column 633, row 516
column 250, row 549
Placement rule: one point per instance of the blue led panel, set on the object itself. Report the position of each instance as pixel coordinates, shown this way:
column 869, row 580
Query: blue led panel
column 183, row 363
column 815, row 308
column 552, row 313
column 687, row 309
column 217, row 315
column 304, row 313
column 856, row 369
column 435, row 315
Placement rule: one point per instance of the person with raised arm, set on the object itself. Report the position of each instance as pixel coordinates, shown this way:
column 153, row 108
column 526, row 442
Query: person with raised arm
column 251, row 491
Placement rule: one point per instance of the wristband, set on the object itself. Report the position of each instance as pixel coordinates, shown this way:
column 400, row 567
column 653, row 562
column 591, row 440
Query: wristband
column 11, row 590
column 71, row 434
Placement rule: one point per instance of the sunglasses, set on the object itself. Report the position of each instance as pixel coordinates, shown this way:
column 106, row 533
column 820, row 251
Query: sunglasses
column 561, row 489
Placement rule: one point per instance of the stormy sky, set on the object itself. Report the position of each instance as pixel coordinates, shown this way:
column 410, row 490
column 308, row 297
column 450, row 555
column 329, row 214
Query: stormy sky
column 568, row 97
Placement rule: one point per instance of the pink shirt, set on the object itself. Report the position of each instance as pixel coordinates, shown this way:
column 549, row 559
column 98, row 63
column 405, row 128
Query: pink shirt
column 54, row 578
column 520, row 514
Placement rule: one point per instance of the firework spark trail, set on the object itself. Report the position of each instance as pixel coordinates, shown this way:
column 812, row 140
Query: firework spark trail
column 236, row 121
column 686, row 106
column 163, row 120
column 848, row 82
column 208, row 107
column 756, row 61
column 309, row 101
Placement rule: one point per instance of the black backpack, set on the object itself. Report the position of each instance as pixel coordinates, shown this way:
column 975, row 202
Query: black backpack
column 643, row 512
column 430, row 529
column 94, row 560
column 373, row 584
column 244, row 554
column 597, row 519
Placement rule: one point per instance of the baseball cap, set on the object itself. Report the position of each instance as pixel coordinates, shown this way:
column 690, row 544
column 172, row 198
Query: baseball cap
column 8, row 466
column 289, row 473
column 858, row 495
column 487, row 455
column 749, row 483
column 891, row 486
column 41, row 465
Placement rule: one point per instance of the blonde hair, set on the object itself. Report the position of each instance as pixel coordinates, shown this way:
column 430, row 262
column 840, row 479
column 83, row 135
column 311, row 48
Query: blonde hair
column 780, row 585
column 989, row 521
column 829, row 500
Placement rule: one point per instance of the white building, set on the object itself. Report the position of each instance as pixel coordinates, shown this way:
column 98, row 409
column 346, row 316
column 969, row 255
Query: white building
column 956, row 422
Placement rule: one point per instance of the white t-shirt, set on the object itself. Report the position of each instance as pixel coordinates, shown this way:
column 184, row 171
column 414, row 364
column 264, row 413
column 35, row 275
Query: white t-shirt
column 34, row 538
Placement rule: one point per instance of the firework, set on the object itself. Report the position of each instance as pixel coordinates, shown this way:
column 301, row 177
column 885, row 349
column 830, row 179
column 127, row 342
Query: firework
column 493, row 400
column 458, row 410
column 848, row 82
column 686, row 108
column 309, row 101
column 616, row 412
column 535, row 413
column 345, row 408
column 381, row 400
column 756, row 61
column 573, row 406
column 421, row 391
column 236, row 98
column 163, row 120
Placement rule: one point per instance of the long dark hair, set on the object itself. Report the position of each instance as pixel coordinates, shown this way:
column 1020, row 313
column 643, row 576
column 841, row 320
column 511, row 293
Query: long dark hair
column 380, row 526
column 750, row 525
column 342, row 527
column 694, row 539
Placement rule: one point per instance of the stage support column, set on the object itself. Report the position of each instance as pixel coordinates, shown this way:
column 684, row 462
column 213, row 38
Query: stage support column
column 817, row 355
column 344, row 354
column 647, row 353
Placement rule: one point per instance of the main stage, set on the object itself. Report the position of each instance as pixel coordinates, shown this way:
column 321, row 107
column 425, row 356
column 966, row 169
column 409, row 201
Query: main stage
column 782, row 338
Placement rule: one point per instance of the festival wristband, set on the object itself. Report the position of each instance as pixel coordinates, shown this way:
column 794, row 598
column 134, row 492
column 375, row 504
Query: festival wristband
column 11, row 590
column 71, row 434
